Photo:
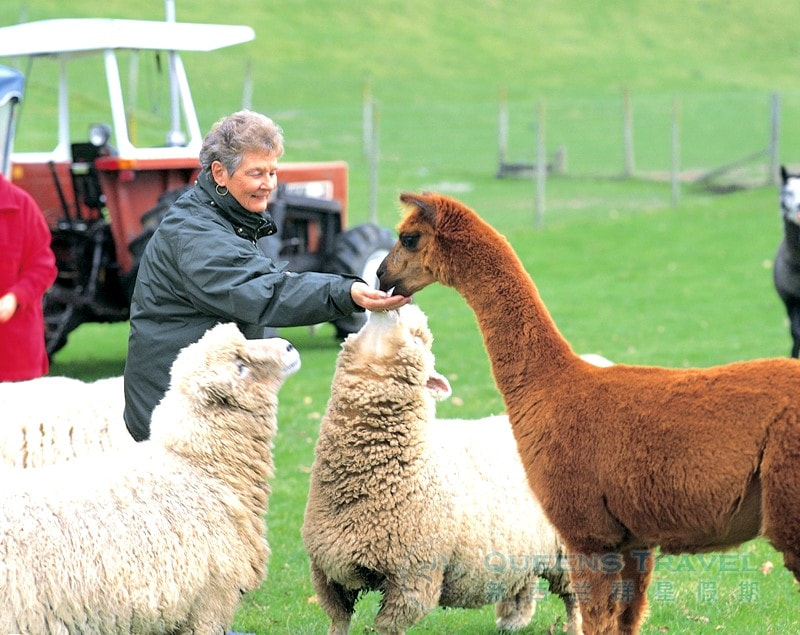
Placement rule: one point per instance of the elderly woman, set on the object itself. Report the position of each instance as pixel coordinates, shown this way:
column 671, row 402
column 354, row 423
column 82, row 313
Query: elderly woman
column 202, row 266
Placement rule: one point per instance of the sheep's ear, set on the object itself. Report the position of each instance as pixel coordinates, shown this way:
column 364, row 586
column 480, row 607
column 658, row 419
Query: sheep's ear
column 439, row 386
column 218, row 387
column 784, row 174
column 426, row 207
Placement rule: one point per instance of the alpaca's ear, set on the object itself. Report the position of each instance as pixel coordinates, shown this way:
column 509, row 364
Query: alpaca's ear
column 426, row 207
column 784, row 174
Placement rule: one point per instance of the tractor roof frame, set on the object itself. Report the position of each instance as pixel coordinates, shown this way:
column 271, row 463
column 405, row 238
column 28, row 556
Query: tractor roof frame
column 65, row 39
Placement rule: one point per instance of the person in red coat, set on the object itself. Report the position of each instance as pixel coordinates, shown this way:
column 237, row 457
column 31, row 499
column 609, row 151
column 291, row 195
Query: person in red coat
column 27, row 269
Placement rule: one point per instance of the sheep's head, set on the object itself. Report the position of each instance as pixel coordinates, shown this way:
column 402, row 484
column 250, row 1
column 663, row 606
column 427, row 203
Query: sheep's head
column 223, row 367
column 397, row 344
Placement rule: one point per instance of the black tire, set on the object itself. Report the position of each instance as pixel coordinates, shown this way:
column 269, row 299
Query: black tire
column 60, row 320
column 358, row 251
column 150, row 221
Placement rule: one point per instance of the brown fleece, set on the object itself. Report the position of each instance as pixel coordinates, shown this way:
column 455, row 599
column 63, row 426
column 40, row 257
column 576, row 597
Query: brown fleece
column 623, row 458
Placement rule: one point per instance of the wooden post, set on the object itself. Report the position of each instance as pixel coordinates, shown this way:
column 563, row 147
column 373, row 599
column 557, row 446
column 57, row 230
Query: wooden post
column 367, row 118
column 774, row 140
column 627, row 133
column 374, row 160
column 675, row 171
column 247, row 89
column 541, row 164
column 502, row 131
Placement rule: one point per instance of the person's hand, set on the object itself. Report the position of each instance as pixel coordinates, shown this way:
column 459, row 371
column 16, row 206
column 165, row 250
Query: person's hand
column 8, row 305
column 375, row 299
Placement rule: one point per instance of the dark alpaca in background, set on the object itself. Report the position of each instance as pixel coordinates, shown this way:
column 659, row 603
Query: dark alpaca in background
column 786, row 272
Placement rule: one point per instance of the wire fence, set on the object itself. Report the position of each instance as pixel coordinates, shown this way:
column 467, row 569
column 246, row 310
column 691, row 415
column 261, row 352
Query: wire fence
column 721, row 142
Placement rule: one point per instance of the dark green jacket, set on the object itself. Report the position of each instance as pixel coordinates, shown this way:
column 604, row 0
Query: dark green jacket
column 202, row 267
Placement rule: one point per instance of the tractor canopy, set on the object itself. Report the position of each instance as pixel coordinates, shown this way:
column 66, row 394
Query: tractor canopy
column 12, row 85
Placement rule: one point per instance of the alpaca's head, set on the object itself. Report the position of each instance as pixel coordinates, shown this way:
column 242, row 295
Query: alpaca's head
column 395, row 346
column 223, row 368
column 431, row 239
column 790, row 196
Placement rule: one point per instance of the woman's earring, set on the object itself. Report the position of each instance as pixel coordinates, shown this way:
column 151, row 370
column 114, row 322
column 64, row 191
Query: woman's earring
column 221, row 192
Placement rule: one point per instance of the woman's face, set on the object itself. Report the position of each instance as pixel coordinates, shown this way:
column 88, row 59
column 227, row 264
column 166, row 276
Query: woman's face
column 252, row 182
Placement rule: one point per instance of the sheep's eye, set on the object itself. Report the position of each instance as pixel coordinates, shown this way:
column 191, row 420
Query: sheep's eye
column 409, row 241
column 242, row 368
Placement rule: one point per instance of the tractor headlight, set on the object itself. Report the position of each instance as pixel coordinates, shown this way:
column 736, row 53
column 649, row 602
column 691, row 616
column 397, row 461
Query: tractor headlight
column 99, row 134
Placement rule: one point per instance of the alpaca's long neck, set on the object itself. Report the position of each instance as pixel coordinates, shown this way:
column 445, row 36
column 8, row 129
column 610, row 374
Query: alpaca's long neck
column 791, row 233
column 520, row 337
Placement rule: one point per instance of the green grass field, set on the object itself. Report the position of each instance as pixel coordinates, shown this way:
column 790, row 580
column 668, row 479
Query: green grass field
column 623, row 273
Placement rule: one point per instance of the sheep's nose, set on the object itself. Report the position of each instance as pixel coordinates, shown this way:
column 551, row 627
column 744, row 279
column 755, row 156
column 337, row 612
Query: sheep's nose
column 289, row 347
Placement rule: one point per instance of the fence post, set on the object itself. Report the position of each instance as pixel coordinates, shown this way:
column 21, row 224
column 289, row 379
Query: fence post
column 367, row 117
column 373, row 157
column 627, row 133
column 774, row 140
column 541, row 164
column 675, row 171
column 247, row 89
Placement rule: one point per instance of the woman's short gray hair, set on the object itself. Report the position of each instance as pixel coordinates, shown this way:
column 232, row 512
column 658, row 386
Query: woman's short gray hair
column 232, row 136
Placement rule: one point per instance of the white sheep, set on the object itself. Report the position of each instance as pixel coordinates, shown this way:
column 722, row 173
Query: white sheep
column 426, row 511
column 53, row 419
column 163, row 537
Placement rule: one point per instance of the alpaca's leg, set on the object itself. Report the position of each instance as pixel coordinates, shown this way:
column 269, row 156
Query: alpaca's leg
column 406, row 602
column 793, row 310
column 780, row 490
column 515, row 612
column 633, row 591
column 337, row 601
column 596, row 591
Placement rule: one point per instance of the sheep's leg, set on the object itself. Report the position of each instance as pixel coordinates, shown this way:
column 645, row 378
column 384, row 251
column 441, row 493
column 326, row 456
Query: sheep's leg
column 515, row 612
column 574, row 621
column 406, row 602
column 337, row 601
column 559, row 584
column 596, row 592
column 632, row 593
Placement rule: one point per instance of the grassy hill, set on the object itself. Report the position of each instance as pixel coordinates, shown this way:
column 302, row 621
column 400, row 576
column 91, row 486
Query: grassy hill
column 317, row 52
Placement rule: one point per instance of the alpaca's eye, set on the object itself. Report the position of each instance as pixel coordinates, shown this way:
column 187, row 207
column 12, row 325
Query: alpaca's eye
column 409, row 241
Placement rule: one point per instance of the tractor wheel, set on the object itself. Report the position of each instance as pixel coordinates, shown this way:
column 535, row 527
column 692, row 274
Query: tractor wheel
column 358, row 251
column 150, row 221
column 60, row 319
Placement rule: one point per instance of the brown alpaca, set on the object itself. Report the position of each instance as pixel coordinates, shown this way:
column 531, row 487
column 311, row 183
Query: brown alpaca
column 623, row 458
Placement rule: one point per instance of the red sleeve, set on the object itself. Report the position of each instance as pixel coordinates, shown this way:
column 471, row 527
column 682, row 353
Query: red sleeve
column 38, row 264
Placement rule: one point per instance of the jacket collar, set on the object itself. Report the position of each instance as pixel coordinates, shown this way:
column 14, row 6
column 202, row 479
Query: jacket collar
column 246, row 224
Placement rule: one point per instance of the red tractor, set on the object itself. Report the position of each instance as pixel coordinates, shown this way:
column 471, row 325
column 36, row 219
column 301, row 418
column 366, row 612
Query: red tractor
column 104, row 194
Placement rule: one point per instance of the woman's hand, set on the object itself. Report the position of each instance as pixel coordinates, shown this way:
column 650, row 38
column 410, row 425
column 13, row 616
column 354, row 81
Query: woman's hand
column 8, row 306
column 375, row 299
